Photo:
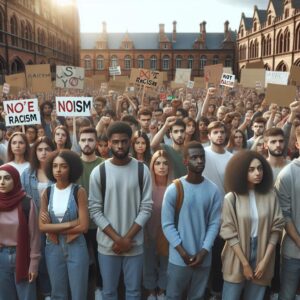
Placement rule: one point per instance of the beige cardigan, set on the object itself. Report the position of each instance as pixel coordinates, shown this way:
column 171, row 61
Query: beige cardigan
column 236, row 228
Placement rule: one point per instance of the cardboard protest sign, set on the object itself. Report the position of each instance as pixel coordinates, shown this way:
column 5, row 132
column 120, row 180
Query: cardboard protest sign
column 227, row 80
column 183, row 76
column 39, row 78
column 276, row 77
column 146, row 77
column 88, row 83
column 5, row 88
column 282, row 95
column 190, row 84
column 74, row 106
column 98, row 79
column 165, row 76
column 69, row 77
column 22, row 112
column 227, row 70
column 117, row 85
column 104, row 85
column 255, row 65
column 16, row 80
column 113, row 71
column 295, row 75
column 199, row 82
column 213, row 73
column 251, row 78
column 174, row 85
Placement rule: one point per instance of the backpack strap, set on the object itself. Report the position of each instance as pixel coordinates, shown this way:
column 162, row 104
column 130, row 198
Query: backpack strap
column 26, row 207
column 103, row 180
column 48, row 192
column 179, row 199
column 141, row 177
column 75, row 192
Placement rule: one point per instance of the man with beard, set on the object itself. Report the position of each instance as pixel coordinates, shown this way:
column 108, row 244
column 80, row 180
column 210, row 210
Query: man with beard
column 120, row 211
column 217, row 158
column 177, row 134
column 191, row 239
column 87, row 144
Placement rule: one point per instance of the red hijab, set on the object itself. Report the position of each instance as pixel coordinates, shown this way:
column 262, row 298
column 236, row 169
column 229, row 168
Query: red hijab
column 8, row 202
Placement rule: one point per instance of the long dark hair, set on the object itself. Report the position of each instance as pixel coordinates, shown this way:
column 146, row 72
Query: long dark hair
column 147, row 154
column 10, row 155
column 68, row 143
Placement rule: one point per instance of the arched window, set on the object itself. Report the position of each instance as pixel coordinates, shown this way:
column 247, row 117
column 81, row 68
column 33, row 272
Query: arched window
column 140, row 62
column 87, row 62
column 166, row 62
column 215, row 60
column 1, row 26
column 190, row 62
column 100, row 62
column 297, row 41
column 153, row 62
column 255, row 48
column 263, row 46
column 251, row 49
column 17, row 66
column 14, row 31
column 2, row 70
column 178, row 61
column 228, row 61
column 286, row 43
column 28, row 36
column 297, row 63
column 254, row 25
column 23, row 34
column 269, row 20
column 269, row 45
column 282, row 67
column 114, row 61
column 203, row 61
column 267, row 67
column 279, row 45
column 127, row 62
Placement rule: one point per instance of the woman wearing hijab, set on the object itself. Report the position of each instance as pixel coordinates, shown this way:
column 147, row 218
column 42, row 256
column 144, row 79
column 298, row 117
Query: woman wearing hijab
column 19, row 238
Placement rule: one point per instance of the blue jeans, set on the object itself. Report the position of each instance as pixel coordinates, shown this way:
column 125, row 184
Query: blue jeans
column 111, row 266
column 186, row 278
column 155, row 267
column 43, row 276
column 68, row 265
column 289, row 279
column 233, row 291
column 9, row 289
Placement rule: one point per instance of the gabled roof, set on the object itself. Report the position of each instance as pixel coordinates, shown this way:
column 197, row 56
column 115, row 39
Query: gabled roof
column 248, row 23
column 278, row 6
column 262, row 15
column 296, row 4
column 184, row 41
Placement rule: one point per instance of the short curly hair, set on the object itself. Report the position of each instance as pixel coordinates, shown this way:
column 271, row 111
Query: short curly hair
column 72, row 159
column 236, row 173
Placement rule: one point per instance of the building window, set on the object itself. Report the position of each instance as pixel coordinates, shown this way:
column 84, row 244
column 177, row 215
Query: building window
column 141, row 62
column 178, row 62
column 190, row 62
column 297, row 42
column 228, row 62
column 280, row 41
column 114, row 61
column 286, row 13
column 14, row 31
column 87, row 62
column 255, row 48
column 286, row 46
column 153, row 62
column 100, row 63
column 165, row 46
column 215, row 60
column 1, row 26
column 166, row 62
column 269, row 45
column 203, row 61
column 255, row 25
column 23, row 34
column 269, row 20
column 127, row 62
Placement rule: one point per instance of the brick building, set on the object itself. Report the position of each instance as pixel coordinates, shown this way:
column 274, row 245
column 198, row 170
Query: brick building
column 271, row 35
column 158, row 51
column 37, row 31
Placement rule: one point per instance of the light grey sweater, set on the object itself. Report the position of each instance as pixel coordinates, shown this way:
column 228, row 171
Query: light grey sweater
column 122, row 206
column 287, row 189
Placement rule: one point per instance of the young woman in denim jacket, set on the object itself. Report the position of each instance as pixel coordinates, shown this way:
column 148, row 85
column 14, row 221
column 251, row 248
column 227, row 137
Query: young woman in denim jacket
column 64, row 217
column 34, row 182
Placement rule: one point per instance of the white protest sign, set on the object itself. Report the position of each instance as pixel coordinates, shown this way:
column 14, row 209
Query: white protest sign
column 277, row 77
column 114, row 71
column 74, row 106
column 227, row 80
column 6, row 88
column 22, row 112
column 190, row 84
column 182, row 75
column 69, row 77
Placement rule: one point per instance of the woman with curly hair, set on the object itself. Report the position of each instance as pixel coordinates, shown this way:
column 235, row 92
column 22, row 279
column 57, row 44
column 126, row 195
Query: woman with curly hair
column 252, row 223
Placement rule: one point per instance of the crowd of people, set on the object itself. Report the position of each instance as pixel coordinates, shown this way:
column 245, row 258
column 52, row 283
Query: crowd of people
column 190, row 198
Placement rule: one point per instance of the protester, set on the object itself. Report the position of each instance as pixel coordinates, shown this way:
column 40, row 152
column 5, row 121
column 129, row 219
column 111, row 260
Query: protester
column 141, row 147
column 237, row 141
column 61, row 138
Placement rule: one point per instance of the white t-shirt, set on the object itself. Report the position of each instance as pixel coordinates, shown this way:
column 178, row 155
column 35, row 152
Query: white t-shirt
column 20, row 167
column 60, row 201
column 253, row 214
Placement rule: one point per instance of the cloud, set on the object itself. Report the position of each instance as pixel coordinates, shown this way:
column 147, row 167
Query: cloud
column 246, row 4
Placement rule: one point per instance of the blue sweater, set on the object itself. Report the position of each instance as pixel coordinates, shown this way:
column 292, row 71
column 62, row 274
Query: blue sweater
column 199, row 219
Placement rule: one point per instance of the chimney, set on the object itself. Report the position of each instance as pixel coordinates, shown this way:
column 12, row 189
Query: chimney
column 226, row 26
column 203, row 27
column 174, row 31
column 161, row 28
column 200, row 27
column 104, row 27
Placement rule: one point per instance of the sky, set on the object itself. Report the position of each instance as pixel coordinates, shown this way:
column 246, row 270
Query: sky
column 146, row 15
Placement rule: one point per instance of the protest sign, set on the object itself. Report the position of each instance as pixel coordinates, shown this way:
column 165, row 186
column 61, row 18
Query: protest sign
column 118, row 85
column 146, row 77
column 227, row 70
column 251, row 78
column 22, row 112
column 174, row 85
column 227, row 80
column 113, row 71
column 276, row 77
column 5, row 88
column 69, row 77
column 165, row 75
column 190, row 84
column 98, row 80
column 255, row 65
column 16, row 80
column 39, row 78
column 183, row 76
column 73, row 106
column 104, row 86
column 213, row 73
column 88, row 83
column 295, row 75
column 199, row 82
column 282, row 95
column 163, row 96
